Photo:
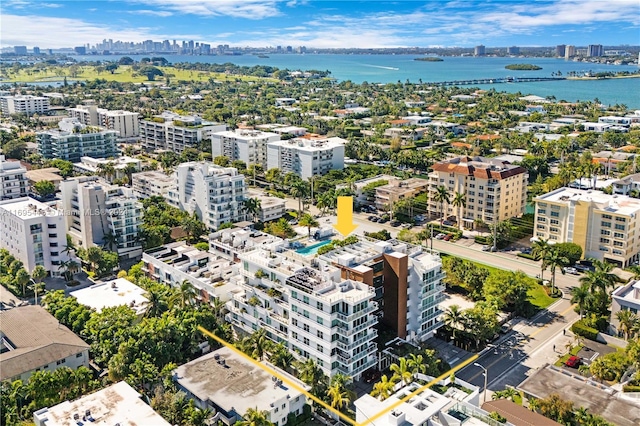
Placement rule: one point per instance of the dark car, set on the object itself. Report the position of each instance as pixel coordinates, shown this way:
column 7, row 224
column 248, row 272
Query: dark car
column 447, row 223
column 370, row 217
column 573, row 361
column 394, row 223
column 374, row 219
column 583, row 268
column 384, row 220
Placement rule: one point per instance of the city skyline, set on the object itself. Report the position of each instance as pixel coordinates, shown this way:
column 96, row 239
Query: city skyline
column 320, row 24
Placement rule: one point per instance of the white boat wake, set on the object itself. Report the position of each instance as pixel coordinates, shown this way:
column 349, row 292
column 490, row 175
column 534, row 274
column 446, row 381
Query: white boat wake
column 380, row 66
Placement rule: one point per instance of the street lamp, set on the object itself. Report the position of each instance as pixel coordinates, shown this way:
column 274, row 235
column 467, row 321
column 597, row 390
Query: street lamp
column 486, row 375
column 35, row 289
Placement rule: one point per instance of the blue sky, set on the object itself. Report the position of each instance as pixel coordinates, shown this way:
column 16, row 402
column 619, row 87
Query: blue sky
column 371, row 23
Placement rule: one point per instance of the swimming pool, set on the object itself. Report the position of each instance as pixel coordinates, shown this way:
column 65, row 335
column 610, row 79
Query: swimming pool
column 312, row 249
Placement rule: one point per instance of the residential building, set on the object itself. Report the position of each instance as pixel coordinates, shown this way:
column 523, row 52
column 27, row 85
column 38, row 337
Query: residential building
column 364, row 194
column 13, row 179
column 94, row 210
column 212, row 275
column 271, row 207
column 569, row 51
column 327, row 308
column 516, row 414
column 625, row 298
column 495, row 190
column 20, row 50
column 479, row 50
column 175, row 132
column 230, row 385
column 245, row 145
column 34, row 233
column 122, row 166
column 603, row 225
column 306, row 157
column 513, row 50
column 282, row 102
column 387, row 195
column 119, row 292
column 214, row 193
column 74, row 140
column 627, row 184
column 31, row 339
column 118, row 404
column 51, row 174
column 615, row 120
column 595, row 50
column 151, row 184
column 126, row 123
column 560, row 50
column 24, row 104
column 282, row 129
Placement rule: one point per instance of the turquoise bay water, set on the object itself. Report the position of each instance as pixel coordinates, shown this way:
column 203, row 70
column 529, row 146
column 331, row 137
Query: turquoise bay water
column 393, row 68
column 312, row 249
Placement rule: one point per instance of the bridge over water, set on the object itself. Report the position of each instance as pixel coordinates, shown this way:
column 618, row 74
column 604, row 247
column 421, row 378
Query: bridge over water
column 493, row 81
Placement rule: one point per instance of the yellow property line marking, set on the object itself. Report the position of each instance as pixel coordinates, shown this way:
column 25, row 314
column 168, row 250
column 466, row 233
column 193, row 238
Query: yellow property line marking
column 531, row 335
column 318, row 400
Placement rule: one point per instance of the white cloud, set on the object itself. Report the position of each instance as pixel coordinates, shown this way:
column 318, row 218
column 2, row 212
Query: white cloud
column 68, row 32
column 23, row 4
column 249, row 9
column 161, row 13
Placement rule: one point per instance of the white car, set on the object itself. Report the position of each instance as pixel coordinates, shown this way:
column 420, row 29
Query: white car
column 570, row 270
column 486, row 247
column 440, row 236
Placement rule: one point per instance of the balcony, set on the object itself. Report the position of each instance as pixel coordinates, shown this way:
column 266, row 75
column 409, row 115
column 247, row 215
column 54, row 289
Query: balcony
column 372, row 334
column 345, row 331
column 348, row 318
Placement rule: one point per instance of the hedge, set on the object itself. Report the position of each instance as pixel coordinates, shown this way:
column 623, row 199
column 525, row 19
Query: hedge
column 481, row 240
column 526, row 256
column 583, row 330
column 631, row 388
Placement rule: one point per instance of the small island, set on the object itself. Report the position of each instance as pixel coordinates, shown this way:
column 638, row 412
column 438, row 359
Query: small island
column 429, row 59
column 523, row 67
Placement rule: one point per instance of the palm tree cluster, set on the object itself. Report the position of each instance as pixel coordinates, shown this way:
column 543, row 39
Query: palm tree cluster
column 593, row 296
column 551, row 258
column 15, row 277
column 473, row 326
column 405, row 370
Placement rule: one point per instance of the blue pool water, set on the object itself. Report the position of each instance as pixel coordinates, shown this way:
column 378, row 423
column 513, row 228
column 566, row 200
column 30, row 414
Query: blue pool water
column 312, row 249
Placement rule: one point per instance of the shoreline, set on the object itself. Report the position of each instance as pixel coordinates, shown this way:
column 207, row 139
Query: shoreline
column 604, row 78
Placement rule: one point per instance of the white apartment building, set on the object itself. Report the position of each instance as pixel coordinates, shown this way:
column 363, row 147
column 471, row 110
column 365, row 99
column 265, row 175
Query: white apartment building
column 624, row 298
column 175, row 132
column 74, row 140
column 94, row 209
column 271, row 207
column 605, row 226
column 24, row 104
column 306, row 157
column 495, row 190
column 90, row 165
column 327, row 308
column 13, row 179
column 34, row 233
column 246, row 145
column 214, row 193
column 126, row 123
column 151, row 183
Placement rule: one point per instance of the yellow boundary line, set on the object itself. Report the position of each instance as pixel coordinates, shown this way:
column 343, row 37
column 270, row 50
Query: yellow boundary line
column 318, row 400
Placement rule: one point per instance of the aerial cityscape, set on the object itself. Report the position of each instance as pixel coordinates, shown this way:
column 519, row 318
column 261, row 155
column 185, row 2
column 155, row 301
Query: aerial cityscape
column 305, row 212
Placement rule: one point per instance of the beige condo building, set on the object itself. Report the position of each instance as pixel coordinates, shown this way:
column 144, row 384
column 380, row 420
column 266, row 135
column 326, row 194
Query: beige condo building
column 605, row 226
column 495, row 190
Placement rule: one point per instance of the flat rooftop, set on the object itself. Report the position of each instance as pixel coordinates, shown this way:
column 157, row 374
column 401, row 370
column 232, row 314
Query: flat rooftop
column 118, row 404
column 28, row 207
column 547, row 381
column 119, row 292
column 618, row 204
column 236, row 385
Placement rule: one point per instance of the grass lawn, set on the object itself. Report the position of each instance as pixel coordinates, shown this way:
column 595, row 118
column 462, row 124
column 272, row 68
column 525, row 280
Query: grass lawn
column 124, row 74
column 539, row 298
column 574, row 351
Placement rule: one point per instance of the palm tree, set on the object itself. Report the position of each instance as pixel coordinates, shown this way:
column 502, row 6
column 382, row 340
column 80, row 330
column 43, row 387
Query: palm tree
column 22, row 279
column 185, row 294
column 281, row 357
column 581, row 295
column 534, row 404
column 156, row 302
column 107, row 170
column 308, row 221
column 258, row 344
column 555, row 260
column 453, row 318
column 299, row 191
column 459, row 201
column 338, row 396
column 384, row 388
column 605, row 273
column 540, row 250
column 627, row 319
column 416, row 364
column 109, row 240
column 441, row 196
column 311, row 374
column 255, row 417
column 252, row 206
column 39, row 273
column 401, row 371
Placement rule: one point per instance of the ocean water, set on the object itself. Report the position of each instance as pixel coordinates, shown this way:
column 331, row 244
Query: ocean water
column 393, row 68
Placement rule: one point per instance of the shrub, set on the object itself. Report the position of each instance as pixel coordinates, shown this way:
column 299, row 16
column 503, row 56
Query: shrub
column 526, row 256
column 571, row 251
column 631, row 388
column 581, row 329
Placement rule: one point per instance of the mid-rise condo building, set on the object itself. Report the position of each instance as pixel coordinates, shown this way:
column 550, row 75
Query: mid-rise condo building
column 175, row 132
column 24, row 104
column 34, row 233
column 151, row 183
column 214, row 193
column 100, row 214
column 306, row 157
column 74, row 140
column 495, row 190
column 604, row 225
column 126, row 123
column 246, row 145
column 13, row 179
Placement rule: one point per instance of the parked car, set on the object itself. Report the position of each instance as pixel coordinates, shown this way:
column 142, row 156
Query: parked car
column 448, row 237
column 394, row 223
column 447, row 223
column 573, row 361
column 370, row 217
column 570, row 270
column 525, row 251
column 486, row 247
column 582, row 268
column 374, row 219
column 384, row 220
column 440, row 236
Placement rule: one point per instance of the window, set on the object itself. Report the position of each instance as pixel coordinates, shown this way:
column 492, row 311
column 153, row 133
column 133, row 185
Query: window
column 78, row 355
column 542, row 211
column 294, row 308
column 305, row 313
column 606, row 216
column 618, row 243
column 555, row 214
column 60, row 361
column 606, row 224
column 305, row 341
column 294, row 335
column 294, row 321
column 605, row 232
column 319, row 348
column 604, row 240
column 621, row 219
column 305, row 299
column 554, row 222
column 319, row 320
column 305, row 327
column 320, row 334
column 319, row 305
column 619, row 227
column 618, row 235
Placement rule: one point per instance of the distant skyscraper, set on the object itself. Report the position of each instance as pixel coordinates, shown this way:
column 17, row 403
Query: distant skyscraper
column 36, row 50
column 560, row 50
column 513, row 50
column 479, row 50
column 570, row 51
column 80, row 50
column 20, row 50
column 289, row 49
column 595, row 50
